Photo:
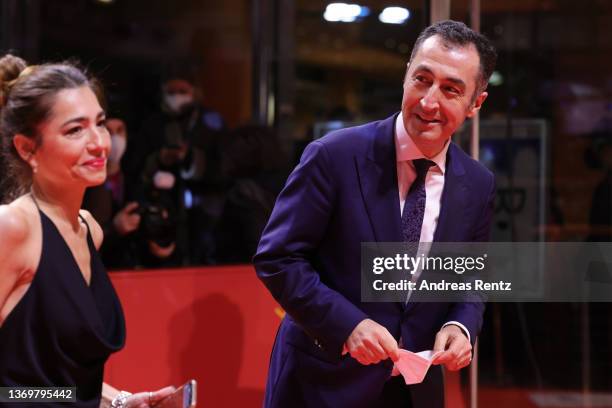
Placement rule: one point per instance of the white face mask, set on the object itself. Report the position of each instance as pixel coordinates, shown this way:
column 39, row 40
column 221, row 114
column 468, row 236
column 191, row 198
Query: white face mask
column 118, row 144
column 176, row 102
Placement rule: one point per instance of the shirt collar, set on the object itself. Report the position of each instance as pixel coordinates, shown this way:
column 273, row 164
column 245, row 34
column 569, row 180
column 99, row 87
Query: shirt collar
column 406, row 150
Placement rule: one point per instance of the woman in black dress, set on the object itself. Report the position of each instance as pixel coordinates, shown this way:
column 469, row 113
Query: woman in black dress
column 60, row 317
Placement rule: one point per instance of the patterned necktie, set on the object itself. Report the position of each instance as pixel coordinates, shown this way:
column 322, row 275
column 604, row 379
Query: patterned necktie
column 414, row 206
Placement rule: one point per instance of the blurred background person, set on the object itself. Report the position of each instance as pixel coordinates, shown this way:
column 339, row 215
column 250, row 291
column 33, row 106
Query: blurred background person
column 178, row 151
column 599, row 157
column 255, row 164
column 162, row 207
column 138, row 233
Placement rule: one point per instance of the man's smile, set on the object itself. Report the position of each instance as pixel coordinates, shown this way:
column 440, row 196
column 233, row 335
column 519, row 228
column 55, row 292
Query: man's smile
column 425, row 120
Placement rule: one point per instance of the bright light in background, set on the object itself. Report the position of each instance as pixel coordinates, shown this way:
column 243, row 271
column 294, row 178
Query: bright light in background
column 364, row 12
column 496, row 79
column 394, row 15
column 344, row 12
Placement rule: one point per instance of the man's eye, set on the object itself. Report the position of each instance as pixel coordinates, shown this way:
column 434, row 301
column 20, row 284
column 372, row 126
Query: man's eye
column 102, row 124
column 452, row 90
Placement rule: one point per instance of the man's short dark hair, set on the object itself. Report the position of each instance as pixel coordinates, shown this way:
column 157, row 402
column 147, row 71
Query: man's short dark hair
column 456, row 33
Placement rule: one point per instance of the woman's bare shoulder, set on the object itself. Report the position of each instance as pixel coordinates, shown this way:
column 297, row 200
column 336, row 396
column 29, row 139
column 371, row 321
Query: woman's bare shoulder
column 17, row 230
column 14, row 224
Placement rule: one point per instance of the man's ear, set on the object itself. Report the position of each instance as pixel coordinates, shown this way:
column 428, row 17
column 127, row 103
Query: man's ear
column 406, row 73
column 477, row 104
column 26, row 147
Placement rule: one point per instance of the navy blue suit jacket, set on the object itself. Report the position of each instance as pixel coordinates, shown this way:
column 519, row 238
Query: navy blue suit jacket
column 343, row 192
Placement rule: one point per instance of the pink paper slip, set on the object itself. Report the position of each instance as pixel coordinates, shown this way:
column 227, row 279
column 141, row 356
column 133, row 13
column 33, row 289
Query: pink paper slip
column 414, row 366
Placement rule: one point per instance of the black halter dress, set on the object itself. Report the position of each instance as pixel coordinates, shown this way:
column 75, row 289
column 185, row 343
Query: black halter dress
column 62, row 331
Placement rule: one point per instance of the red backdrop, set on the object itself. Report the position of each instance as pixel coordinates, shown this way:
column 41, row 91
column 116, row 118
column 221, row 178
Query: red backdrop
column 214, row 324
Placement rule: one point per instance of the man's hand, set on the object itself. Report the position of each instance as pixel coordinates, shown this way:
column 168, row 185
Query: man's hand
column 160, row 251
column 127, row 220
column 457, row 350
column 370, row 343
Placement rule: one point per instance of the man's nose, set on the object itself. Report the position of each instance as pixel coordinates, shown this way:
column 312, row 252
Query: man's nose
column 430, row 101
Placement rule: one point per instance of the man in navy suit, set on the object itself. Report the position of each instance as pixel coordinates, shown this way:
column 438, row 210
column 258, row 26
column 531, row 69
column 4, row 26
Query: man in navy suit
column 351, row 186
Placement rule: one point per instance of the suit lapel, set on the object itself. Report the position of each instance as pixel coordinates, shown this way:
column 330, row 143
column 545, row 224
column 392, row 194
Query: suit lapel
column 454, row 201
column 378, row 179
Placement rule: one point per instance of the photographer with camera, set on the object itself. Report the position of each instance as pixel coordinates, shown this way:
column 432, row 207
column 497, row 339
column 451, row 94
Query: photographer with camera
column 179, row 149
column 140, row 233
column 162, row 208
